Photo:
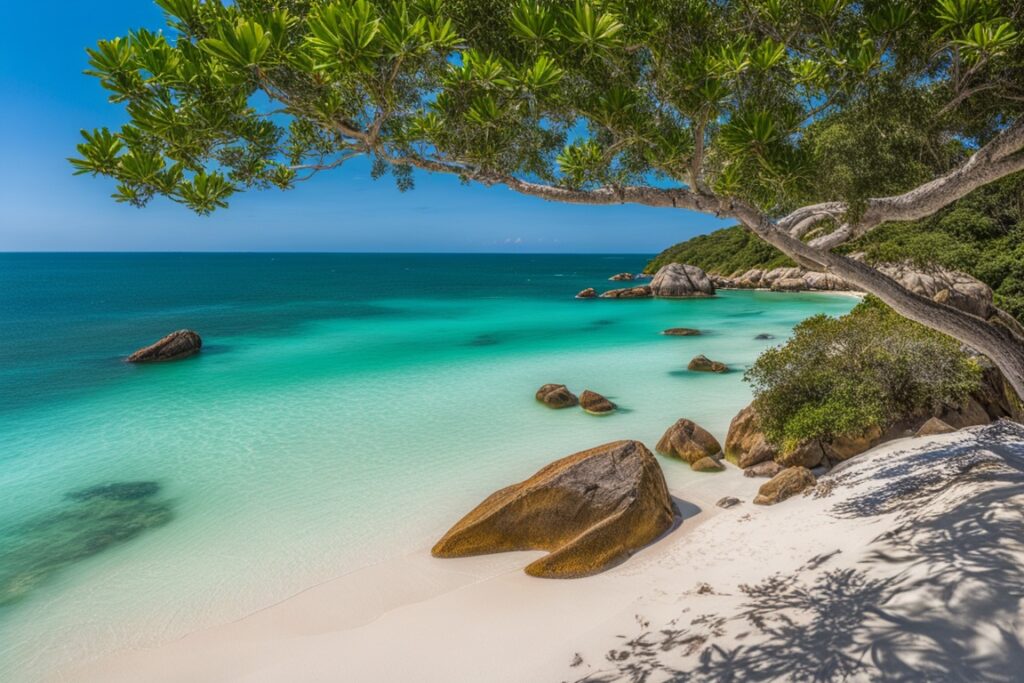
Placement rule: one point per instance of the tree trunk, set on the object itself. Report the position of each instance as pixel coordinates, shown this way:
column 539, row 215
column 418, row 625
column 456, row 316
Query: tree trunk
column 1002, row 346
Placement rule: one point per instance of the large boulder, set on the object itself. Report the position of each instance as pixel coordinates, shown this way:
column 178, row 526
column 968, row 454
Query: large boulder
column 678, row 280
column 595, row 404
column 784, row 273
column 807, row 454
column 180, row 344
column 688, row 441
column 641, row 292
column 783, row 485
column 751, row 278
column 745, row 443
column 556, row 396
column 590, row 510
column 789, row 284
column 702, row 363
column 842, row 448
column 825, row 282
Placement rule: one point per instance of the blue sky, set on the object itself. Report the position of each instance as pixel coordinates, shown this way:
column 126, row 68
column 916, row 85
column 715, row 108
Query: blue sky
column 44, row 208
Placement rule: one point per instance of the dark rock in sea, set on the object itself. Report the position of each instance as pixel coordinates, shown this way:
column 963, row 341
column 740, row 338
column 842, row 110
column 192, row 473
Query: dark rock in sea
column 681, row 332
column 174, row 346
column 702, row 363
column 676, row 280
column 621, row 277
column 590, row 510
column 707, row 464
column 556, row 396
column 588, row 293
column 641, row 292
column 765, row 336
column 119, row 490
column 92, row 521
column 688, row 441
column 783, row 485
column 728, row 502
column 595, row 404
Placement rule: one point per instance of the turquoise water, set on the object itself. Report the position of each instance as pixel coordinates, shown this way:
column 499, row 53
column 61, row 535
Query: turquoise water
column 345, row 409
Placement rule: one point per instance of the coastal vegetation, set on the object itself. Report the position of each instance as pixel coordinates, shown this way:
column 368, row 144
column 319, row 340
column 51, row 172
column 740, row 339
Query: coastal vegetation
column 810, row 122
column 868, row 369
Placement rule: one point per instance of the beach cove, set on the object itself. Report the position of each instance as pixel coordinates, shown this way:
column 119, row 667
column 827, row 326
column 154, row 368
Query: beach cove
column 345, row 410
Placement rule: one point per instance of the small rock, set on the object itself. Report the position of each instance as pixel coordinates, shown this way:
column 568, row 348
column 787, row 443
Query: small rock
column 595, row 404
column 681, row 332
column 728, row 502
column 688, row 441
column 556, row 396
column 702, row 363
column 588, row 293
column 783, row 485
column 642, row 292
column 176, row 345
column 707, row 464
column 934, row 426
column 768, row 468
column 621, row 277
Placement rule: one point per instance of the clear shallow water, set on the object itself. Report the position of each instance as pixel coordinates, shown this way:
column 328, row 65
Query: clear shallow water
column 345, row 408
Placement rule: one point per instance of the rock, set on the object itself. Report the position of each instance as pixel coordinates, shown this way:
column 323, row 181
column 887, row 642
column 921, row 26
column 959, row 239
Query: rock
column 768, row 468
column 681, row 332
column 745, row 443
column 707, row 464
column 641, row 292
column 825, row 282
column 728, row 502
column 678, row 280
column 702, row 363
column 588, row 293
column 590, row 510
column 556, row 396
column 934, row 426
column 120, row 490
column 621, row 276
column 643, row 276
column 789, row 284
column 595, row 404
column 783, row 485
column 951, row 287
column 971, row 413
column 688, row 441
column 842, row 448
column 807, row 454
column 176, row 345
column 770, row 277
column 751, row 278
column 763, row 336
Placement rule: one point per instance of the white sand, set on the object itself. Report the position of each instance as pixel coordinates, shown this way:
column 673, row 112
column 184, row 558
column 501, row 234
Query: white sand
column 910, row 568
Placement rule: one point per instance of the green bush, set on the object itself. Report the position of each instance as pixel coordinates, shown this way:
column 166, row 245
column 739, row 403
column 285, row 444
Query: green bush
column 840, row 376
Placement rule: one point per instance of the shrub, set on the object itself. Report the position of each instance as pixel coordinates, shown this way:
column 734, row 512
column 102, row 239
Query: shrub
column 841, row 376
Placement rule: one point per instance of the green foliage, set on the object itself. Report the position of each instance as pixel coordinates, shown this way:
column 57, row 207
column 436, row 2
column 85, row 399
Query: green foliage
column 729, row 251
column 840, row 376
column 777, row 102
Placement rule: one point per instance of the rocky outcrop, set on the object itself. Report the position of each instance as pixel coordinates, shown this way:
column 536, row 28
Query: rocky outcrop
column 641, row 292
column 745, row 443
column 950, row 287
column 590, row 510
column 681, row 332
column 688, row 441
column 588, row 293
column 789, row 284
column 556, row 396
column 595, row 404
column 933, row 427
column 174, row 346
column 702, row 363
column 676, row 280
column 783, row 485
column 621, row 277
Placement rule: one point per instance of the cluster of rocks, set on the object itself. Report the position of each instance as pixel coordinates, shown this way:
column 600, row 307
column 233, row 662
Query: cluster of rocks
column 674, row 280
column 558, row 396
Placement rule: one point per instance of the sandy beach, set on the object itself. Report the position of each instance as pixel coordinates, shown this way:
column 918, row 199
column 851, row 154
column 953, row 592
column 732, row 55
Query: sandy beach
column 903, row 564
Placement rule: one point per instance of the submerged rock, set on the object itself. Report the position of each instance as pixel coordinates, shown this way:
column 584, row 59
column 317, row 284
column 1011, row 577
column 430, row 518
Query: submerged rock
column 590, row 510
column 174, row 346
column 764, row 335
column 783, row 485
column 681, row 332
column 556, row 396
column 702, row 363
column 588, row 293
column 677, row 280
column 119, row 490
column 595, row 404
column 688, row 441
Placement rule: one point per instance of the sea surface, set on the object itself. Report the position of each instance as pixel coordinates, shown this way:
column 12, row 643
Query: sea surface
column 345, row 409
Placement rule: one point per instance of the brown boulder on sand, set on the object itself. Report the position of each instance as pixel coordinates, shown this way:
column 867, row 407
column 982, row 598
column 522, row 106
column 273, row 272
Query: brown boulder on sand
column 768, row 468
column 588, row 293
column 688, row 441
column 707, row 464
column 594, row 403
column 681, row 332
column 591, row 510
column 745, row 443
column 933, row 427
column 786, row 483
column 556, row 396
column 702, row 363
column 176, row 345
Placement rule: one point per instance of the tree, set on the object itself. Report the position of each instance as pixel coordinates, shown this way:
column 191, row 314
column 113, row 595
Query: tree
column 811, row 122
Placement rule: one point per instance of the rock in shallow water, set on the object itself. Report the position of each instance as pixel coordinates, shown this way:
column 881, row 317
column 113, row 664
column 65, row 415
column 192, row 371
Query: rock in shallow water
column 556, row 396
column 120, row 490
column 595, row 404
column 681, row 332
column 702, row 363
column 174, row 346
column 591, row 510
column 588, row 293
column 641, row 292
